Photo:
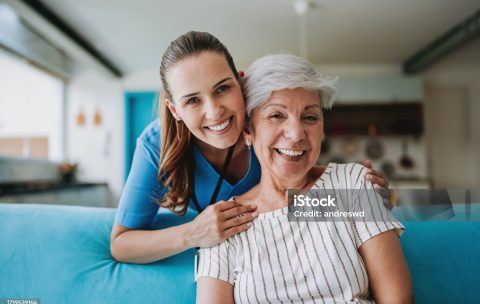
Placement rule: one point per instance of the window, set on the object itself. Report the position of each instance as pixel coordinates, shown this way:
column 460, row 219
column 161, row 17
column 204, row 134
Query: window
column 31, row 110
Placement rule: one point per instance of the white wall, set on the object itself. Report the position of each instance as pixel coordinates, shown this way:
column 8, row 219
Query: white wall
column 98, row 149
column 147, row 80
column 459, row 71
column 364, row 70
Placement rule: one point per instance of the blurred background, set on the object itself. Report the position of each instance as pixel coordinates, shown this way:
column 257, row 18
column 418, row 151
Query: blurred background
column 79, row 81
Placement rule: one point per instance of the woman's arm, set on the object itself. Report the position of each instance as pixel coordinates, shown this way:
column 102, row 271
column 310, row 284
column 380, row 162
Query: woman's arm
column 212, row 291
column 388, row 273
column 215, row 224
column 147, row 246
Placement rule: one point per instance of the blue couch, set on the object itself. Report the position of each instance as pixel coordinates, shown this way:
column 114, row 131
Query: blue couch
column 60, row 254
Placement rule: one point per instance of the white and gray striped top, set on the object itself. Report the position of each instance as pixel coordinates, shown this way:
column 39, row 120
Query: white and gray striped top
column 277, row 260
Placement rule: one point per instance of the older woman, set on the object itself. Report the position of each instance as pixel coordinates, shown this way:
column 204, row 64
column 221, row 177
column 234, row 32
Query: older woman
column 279, row 260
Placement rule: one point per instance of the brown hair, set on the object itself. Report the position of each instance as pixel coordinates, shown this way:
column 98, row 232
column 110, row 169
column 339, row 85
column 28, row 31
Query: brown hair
column 175, row 150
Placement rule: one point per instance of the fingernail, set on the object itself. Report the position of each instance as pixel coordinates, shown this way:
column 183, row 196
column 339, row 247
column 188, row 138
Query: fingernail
column 253, row 206
column 254, row 214
column 249, row 224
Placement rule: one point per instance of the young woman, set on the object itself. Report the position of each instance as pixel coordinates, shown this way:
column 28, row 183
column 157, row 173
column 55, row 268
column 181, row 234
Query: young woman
column 195, row 156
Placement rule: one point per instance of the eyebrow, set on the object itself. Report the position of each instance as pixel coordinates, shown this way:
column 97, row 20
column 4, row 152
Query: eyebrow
column 214, row 86
column 221, row 81
column 284, row 106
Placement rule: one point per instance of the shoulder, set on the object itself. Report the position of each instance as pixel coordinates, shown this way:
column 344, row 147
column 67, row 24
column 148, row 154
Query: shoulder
column 350, row 173
column 151, row 134
column 347, row 169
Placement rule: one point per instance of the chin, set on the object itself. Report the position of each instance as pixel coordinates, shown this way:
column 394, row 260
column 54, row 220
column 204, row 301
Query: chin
column 225, row 143
column 290, row 171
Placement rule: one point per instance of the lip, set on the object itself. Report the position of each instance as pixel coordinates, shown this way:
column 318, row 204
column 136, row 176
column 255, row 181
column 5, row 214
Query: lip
column 224, row 131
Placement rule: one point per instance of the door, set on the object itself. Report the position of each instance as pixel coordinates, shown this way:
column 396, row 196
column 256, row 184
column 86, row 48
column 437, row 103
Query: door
column 140, row 110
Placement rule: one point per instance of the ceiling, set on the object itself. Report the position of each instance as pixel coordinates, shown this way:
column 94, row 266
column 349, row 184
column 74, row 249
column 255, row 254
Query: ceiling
column 134, row 34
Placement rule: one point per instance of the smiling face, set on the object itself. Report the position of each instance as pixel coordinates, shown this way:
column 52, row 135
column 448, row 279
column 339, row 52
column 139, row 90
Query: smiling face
column 286, row 133
column 208, row 98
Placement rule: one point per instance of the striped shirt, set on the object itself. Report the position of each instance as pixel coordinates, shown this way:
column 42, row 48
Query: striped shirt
column 277, row 260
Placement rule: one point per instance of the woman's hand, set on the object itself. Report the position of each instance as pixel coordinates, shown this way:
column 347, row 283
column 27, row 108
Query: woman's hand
column 220, row 221
column 380, row 183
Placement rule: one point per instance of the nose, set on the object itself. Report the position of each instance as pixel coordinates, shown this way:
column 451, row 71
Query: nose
column 213, row 110
column 294, row 130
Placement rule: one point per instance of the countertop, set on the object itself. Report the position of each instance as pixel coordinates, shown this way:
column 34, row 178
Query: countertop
column 42, row 186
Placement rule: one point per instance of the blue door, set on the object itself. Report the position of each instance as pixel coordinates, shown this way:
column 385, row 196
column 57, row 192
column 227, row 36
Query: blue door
column 140, row 110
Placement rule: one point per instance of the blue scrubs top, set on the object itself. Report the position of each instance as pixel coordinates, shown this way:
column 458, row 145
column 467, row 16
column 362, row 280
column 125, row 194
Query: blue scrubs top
column 137, row 207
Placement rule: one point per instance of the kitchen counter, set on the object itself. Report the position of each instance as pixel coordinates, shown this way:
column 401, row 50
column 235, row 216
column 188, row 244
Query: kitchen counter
column 74, row 193
column 38, row 187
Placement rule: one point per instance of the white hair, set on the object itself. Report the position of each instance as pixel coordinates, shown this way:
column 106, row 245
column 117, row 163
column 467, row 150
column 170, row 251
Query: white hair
column 278, row 72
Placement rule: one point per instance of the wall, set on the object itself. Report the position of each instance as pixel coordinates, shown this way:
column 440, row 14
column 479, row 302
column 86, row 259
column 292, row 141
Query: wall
column 146, row 80
column 459, row 76
column 98, row 149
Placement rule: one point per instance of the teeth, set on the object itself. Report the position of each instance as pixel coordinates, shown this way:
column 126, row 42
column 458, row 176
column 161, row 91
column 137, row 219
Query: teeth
column 291, row 152
column 221, row 126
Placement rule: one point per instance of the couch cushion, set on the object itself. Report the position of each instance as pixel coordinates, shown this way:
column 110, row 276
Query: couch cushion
column 61, row 254
column 443, row 256
column 444, row 260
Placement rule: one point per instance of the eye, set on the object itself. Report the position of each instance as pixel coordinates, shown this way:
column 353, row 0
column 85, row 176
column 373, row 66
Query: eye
column 192, row 100
column 275, row 116
column 310, row 118
column 222, row 89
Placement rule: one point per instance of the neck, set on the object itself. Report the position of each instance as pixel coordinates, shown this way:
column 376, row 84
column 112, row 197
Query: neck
column 217, row 156
column 272, row 193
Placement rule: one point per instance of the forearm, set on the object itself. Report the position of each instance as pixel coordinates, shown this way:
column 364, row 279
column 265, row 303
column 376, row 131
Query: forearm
column 147, row 246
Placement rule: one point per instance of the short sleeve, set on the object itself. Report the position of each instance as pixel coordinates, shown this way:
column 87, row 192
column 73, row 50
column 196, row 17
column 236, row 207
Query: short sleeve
column 137, row 207
column 378, row 218
column 217, row 262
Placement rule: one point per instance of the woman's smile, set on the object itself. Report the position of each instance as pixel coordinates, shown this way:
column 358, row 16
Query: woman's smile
column 290, row 154
column 222, row 127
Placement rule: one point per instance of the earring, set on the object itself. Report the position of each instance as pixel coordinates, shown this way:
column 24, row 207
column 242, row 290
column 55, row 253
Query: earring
column 179, row 130
column 249, row 144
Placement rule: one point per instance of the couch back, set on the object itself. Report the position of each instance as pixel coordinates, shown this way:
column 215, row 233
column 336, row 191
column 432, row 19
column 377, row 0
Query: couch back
column 60, row 254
